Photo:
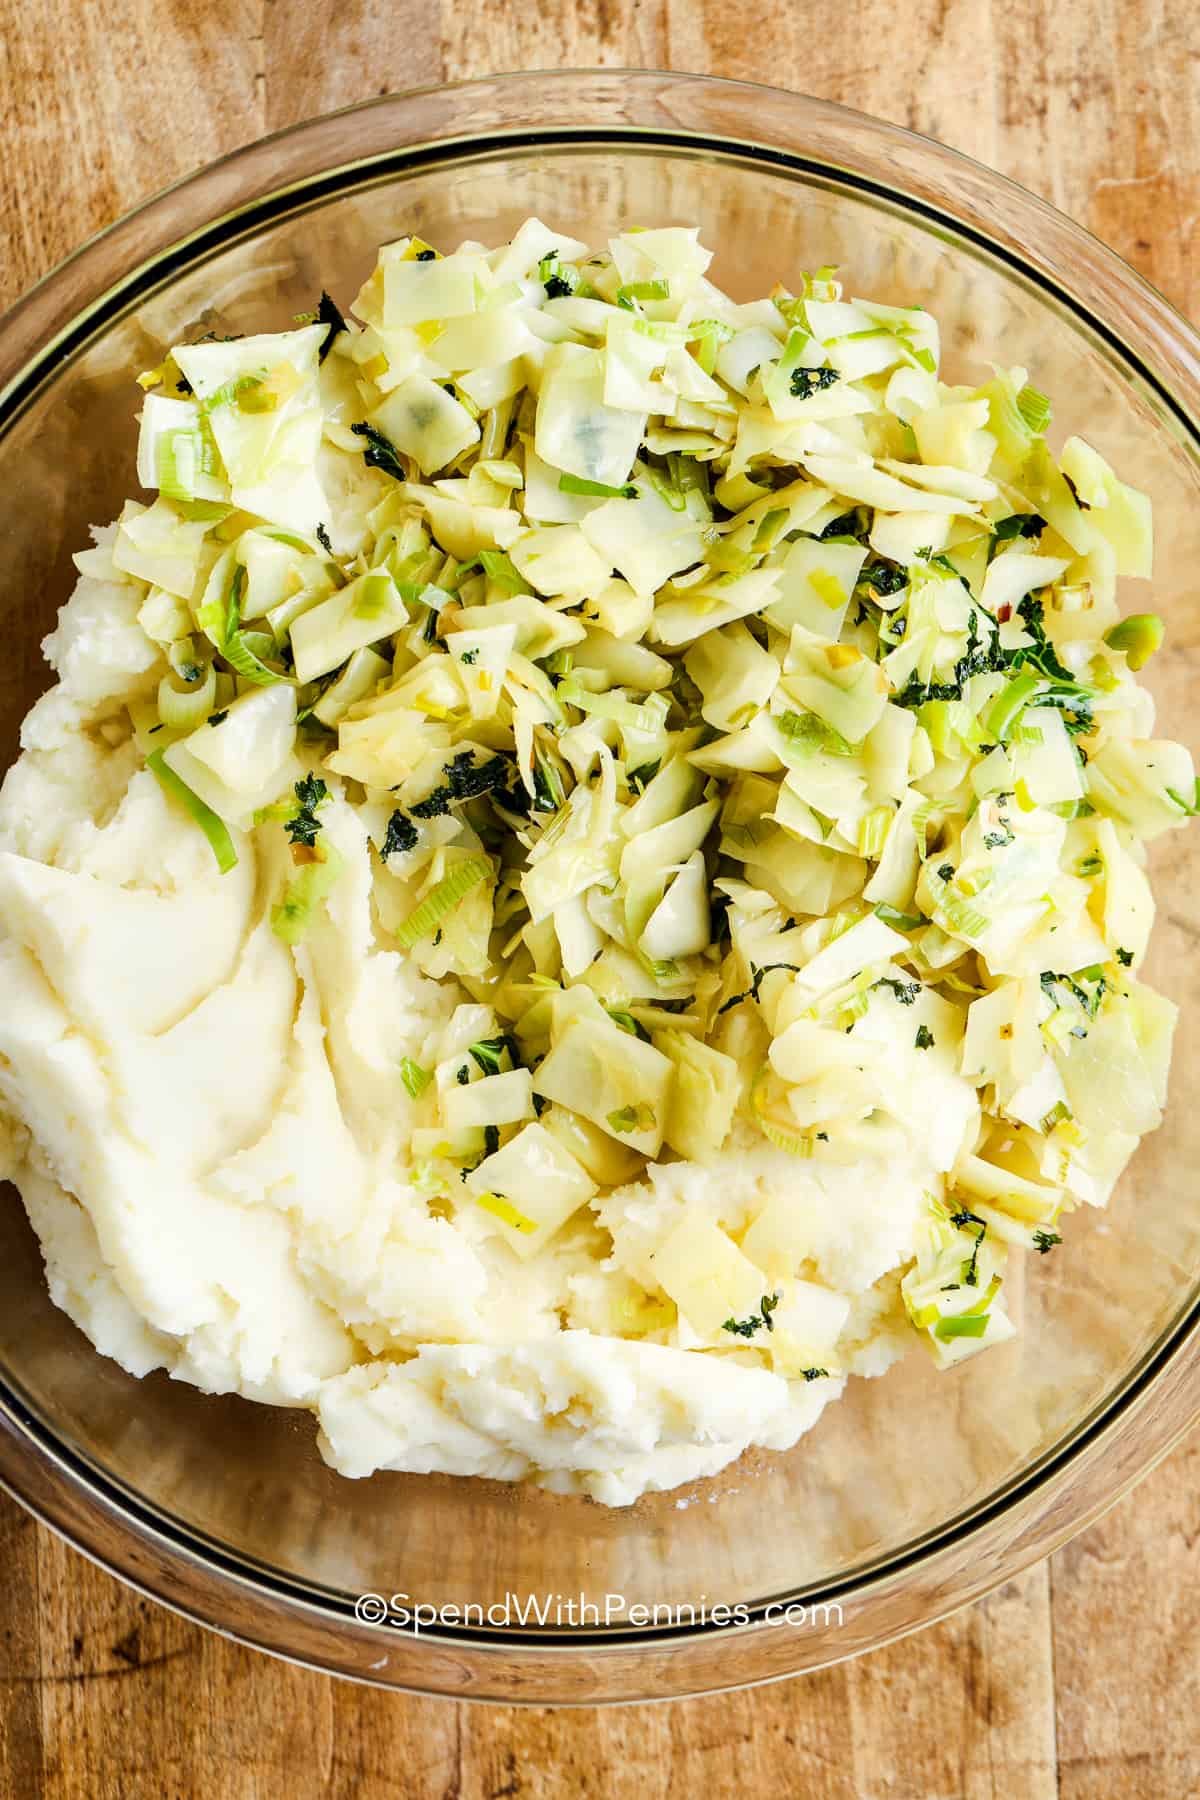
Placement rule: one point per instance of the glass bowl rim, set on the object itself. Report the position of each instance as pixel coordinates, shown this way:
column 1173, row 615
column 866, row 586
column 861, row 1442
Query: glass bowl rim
column 64, row 1478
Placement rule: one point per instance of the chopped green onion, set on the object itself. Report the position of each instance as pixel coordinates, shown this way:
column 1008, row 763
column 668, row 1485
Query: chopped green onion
column 450, row 891
column 769, row 527
column 500, row 569
column 374, row 595
column 603, row 706
column 962, row 1325
column 632, row 1118
column 292, row 917
column 1034, row 408
column 213, row 827
column 503, row 1209
column 899, row 921
column 1139, row 636
column 873, row 830
column 796, row 1143
column 577, row 484
column 1072, row 809
column 1009, row 704
column 805, row 730
column 178, row 456
column 1192, row 806
column 642, row 290
column 709, row 335
column 627, row 1022
column 221, row 620
column 415, row 1078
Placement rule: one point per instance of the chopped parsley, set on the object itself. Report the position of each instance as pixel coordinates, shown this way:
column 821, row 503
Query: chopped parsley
column 756, row 981
column 845, row 525
column 329, row 313
column 814, row 1374
column 434, row 806
column 465, row 780
column 218, row 718
column 905, row 991
column 947, row 871
column 401, row 835
column 884, row 578
column 1125, row 958
column 380, row 452
column 557, row 281
column 746, row 1328
column 469, row 656
column 962, row 1219
column 303, row 826
column 924, row 1039
column 324, row 539
column 1043, row 655
column 1019, row 525
column 998, row 840
column 1044, row 1241
column 487, row 1052
column 1040, row 657
column 807, row 382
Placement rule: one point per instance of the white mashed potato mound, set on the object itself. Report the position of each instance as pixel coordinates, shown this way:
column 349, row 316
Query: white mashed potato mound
column 208, row 1134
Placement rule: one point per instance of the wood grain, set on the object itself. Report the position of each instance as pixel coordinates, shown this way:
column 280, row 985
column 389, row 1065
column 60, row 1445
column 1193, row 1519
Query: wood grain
column 1080, row 1679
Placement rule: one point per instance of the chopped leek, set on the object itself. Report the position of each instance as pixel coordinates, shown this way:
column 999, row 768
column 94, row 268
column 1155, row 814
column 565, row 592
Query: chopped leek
column 441, row 900
column 292, row 918
column 1139, row 636
column 415, row 1078
column 213, row 827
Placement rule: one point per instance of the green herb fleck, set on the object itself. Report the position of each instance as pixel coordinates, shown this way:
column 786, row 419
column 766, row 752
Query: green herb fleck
column 962, row 1218
column 746, row 1328
column 807, row 382
column 329, row 313
column 303, row 826
column 401, row 835
column 905, row 991
column 380, row 452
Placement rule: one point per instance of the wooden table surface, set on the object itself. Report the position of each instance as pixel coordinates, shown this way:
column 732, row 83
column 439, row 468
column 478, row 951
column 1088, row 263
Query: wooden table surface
column 1083, row 1677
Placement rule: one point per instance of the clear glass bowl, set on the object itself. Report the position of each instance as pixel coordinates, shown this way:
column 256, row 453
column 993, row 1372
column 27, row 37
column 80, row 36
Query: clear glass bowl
column 914, row 1494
